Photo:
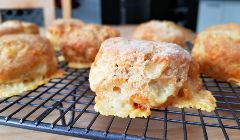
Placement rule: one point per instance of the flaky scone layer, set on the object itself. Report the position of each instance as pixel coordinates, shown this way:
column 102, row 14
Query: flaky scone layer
column 130, row 77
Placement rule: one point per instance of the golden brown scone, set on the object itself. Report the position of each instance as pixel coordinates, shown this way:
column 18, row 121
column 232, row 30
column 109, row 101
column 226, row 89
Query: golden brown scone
column 217, row 50
column 228, row 26
column 131, row 76
column 163, row 31
column 80, row 47
column 27, row 61
column 60, row 28
column 16, row 27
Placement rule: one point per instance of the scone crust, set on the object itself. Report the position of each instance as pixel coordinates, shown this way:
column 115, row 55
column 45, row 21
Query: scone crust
column 7, row 31
column 15, row 27
column 217, row 50
column 228, row 26
column 80, row 47
column 24, row 57
column 131, row 76
column 60, row 28
column 164, row 31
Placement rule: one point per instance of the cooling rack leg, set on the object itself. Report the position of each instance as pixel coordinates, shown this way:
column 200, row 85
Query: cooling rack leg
column 73, row 108
column 63, row 120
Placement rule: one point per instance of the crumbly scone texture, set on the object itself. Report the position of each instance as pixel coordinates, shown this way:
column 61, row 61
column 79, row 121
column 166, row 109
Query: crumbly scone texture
column 131, row 76
column 163, row 31
column 60, row 28
column 16, row 27
column 217, row 50
column 80, row 47
column 26, row 62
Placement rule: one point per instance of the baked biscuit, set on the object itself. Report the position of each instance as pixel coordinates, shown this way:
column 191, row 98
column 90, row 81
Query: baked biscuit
column 131, row 76
column 80, row 47
column 217, row 50
column 228, row 26
column 60, row 28
column 16, row 27
column 27, row 61
column 163, row 31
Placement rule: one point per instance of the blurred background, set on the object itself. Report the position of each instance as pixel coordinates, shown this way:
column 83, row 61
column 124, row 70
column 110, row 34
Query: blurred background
column 193, row 14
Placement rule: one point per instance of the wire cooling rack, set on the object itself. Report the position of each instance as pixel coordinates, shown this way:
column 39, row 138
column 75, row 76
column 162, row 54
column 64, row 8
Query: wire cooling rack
column 65, row 106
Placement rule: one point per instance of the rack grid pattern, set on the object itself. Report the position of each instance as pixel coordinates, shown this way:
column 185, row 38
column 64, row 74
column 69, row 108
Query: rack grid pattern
column 65, row 106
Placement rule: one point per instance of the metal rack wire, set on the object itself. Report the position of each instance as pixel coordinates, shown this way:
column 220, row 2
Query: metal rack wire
column 65, row 106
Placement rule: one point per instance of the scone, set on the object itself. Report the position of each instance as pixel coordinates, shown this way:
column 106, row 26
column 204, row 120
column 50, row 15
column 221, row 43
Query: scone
column 217, row 50
column 228, row 26
column 163, row 31
column 80, row 47
column 60, row 28
column 27, row 61
column 131, row 76
column 16, row 27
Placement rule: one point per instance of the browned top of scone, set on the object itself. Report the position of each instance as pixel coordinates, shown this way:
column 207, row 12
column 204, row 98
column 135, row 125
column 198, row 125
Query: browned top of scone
column 103, row 32
column 165, row 31
column 217, row 50
column 14, row 27
column 82, row 45
column 60, row 27
column 24, row 57
column 228, row 26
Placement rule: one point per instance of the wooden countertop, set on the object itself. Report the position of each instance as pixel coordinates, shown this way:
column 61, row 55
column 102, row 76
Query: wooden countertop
column 12, row 133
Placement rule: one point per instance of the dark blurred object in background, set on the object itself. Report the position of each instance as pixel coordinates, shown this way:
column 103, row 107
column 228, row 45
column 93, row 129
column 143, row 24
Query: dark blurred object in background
column 110, row 11
column 183, row 12
column 29, row 15
column 125, row 11
column 135, row 11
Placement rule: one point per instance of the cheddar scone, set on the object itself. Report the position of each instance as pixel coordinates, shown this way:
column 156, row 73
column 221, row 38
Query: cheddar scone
column 27, row 61
column 163, row 31
column 80, row 47
column 217, row 50
column 131, row 76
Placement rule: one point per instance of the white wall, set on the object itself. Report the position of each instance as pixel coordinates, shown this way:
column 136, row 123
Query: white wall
column 213, row 12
